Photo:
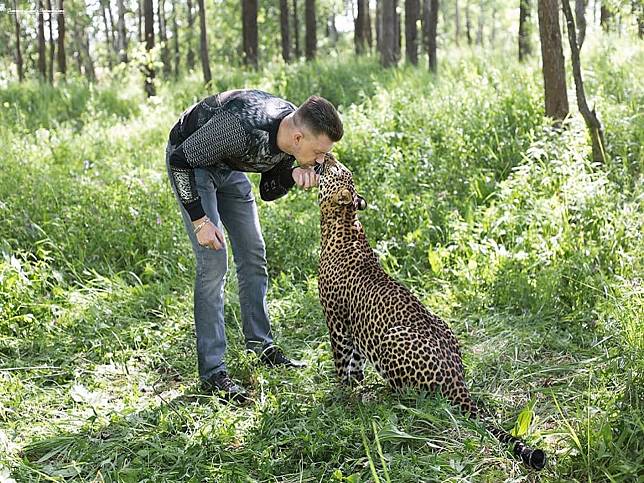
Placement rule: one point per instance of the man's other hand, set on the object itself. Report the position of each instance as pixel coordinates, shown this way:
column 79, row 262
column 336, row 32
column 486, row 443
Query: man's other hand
column 211, row 237
column 305, row 177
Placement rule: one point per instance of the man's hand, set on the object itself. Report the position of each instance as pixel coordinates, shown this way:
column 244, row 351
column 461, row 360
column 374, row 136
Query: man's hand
column 209, row 235
column 305, row 177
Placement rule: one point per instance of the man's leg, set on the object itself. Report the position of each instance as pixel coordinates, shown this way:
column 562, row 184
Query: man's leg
column 239, row 214
column 209, row 282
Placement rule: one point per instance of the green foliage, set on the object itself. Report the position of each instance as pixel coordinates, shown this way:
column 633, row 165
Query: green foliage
column 497, row 221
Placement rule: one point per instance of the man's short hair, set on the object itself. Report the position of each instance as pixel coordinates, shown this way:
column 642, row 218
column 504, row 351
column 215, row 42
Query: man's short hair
column 320, row 116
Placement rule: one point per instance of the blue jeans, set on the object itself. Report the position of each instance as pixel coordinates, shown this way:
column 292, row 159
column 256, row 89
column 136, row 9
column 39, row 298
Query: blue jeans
column 228, row 200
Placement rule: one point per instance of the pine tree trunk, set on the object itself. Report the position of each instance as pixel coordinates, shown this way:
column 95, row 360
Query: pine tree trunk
column 554, row 72
column 42, row 61
column 388, row 31
column 148, row 13
column 412, row 8
column 163, row 39
column 190, row 57
column 19, row 63
column 468, row 23
column 310, row 25
column 360, row 27
column 203, row 44
column 108, row 48
column 296, row 31
column 175, row 36
column 595, row 127
column 284, row 31
column 432, row 25
column 525, row 47
column 122, row 34
column 249, row 32
column 457, row 23
column 51, row 43
column 62, row 60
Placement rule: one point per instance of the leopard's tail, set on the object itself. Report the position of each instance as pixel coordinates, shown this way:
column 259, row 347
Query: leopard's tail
column 534, row 458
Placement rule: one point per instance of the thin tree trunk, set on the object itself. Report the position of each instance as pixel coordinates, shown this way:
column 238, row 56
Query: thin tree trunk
column 580, row 19
column 19, row 64
column 525, row 47
column 62, row 61
column 592, row 122
column 493, row 33
column 360, row 27
column 432, row 24
column 190, row 57
column 369, row 32
column 311, row 37
column 249, row 32
column 203, row 44
column 333, row 30
column 296, row 30
column 163, row 39
column 90, row 72
column 42, row 61
column 379, row 46
column 457, row 23
column 112, row 29
column 397, row 33
column 468, row 23
column 605, row 15
column 148, row 12
column 175, row 37
column 554, row 73
column 51, row 43
column 387, row 55
column 284, row 30
column 139, row 11
column 412, row 13
column 122, row 34
column 479, row 33
column 108, row 48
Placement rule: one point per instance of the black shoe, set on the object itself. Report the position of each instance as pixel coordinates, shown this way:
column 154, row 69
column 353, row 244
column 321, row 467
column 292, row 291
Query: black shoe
column 223, row 386
column 273, row 357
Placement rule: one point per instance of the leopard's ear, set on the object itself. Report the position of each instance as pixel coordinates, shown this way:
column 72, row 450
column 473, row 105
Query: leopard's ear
column 343, row 197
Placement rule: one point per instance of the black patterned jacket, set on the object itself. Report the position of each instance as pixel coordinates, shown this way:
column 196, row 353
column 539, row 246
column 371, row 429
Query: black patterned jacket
column 236, row 129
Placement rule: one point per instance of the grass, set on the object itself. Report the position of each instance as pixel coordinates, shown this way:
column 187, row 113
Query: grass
column 498, row 222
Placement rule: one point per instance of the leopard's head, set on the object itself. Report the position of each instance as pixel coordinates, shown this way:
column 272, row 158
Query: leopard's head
column 337, row 192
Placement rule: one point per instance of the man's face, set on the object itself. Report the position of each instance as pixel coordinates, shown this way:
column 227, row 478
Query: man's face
column 310, row 149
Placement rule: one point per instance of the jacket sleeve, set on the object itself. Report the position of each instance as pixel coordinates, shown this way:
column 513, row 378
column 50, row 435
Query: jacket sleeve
column 276, row 182
column 222, row 137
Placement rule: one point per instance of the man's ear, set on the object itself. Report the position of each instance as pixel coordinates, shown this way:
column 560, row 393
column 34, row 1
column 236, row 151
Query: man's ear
column 343, row 197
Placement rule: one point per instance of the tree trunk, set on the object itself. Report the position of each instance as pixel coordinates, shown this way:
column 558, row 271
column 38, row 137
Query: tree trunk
column 311, row 37
column 19, row 65
column 412, row 12
column 592, row 122
column 457, row 23
column 397, row 33
column 284, row 30
column 432, row 24
column 163, row 39
column 525, row 47
column 108, row 48
column 112, row 29
column 148, row 12
column 333, row 30
column 379, row 26
column 249, row 32
column 190, row 57
column 139, row 11
column 479, row 32
column 122, row 34
column 554, row 72
column 296, row 31
column 388, row 31
column 493, row 33
column 203, row 43
column 51, row 43
column 468, row 23
column 90, row 73
column 605, row 15
column 175, row 38
column 361, row 26
column 580, row 19
column 62, row 60
column 42, row 61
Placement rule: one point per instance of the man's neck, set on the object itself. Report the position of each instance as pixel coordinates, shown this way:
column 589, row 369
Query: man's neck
column 284, row 134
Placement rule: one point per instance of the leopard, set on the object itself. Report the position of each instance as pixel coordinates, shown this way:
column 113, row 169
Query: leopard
column 372, row 317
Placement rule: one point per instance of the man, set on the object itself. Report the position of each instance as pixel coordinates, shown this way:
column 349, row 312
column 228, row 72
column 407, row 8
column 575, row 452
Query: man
column 209, row 147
